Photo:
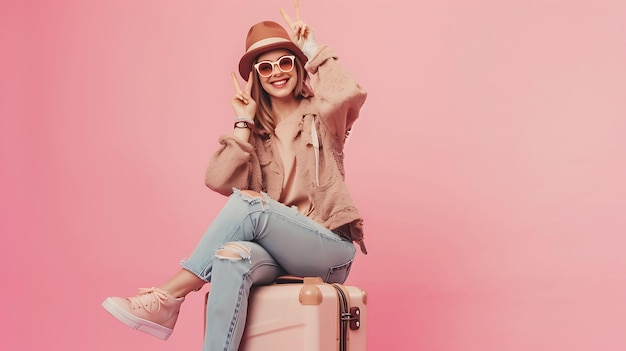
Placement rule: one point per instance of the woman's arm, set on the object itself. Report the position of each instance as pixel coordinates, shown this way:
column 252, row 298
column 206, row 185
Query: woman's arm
column 338, row 95
column 230, row 166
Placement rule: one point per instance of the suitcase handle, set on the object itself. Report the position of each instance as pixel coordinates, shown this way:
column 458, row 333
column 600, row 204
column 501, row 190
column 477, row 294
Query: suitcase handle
column 288, row 279
column 294, row 279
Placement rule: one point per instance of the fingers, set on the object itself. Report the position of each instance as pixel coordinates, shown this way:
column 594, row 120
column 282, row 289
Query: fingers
column 302, row 33
column 235, row 82
column 297, row 7
column 286, row 18
column 239, row 94
column 299, row 28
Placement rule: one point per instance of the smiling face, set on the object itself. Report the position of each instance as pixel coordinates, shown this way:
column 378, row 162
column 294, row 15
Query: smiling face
column 278, row 84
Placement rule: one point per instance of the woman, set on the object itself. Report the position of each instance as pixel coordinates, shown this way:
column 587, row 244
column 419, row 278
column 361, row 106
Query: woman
column 295, row 215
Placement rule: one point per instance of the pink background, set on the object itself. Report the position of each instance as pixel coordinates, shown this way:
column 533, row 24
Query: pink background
column 489, row 162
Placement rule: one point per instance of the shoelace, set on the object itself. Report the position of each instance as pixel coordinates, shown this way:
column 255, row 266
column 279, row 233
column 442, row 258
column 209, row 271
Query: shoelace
column 148, row 296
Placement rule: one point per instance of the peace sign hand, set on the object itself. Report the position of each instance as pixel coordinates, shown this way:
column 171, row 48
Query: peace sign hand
column 301, row 32
column 242, row 102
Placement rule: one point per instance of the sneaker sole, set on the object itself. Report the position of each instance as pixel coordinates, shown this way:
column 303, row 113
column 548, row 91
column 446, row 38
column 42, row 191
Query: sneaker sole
column 135, row 322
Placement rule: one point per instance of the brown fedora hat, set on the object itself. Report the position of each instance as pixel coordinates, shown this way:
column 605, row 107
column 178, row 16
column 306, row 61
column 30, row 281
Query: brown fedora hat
column 262, row 37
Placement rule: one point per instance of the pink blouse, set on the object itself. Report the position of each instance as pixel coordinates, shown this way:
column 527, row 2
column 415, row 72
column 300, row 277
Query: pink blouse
column 294, row 187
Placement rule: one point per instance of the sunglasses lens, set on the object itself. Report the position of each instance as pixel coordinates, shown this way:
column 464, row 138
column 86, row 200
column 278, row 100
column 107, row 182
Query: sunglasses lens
column 285, row 64
column 265, row 69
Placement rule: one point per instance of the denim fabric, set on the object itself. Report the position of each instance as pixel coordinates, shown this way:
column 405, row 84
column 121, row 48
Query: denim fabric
column 272, row 239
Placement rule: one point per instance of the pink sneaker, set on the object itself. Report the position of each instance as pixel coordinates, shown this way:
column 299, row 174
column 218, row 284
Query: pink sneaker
column 153, row 311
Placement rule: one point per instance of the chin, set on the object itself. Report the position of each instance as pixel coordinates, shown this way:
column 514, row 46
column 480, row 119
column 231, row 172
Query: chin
column 282, row 93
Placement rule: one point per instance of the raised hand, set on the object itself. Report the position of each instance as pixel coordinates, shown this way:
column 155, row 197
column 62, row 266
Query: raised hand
column 242, row 102
column 300, row 31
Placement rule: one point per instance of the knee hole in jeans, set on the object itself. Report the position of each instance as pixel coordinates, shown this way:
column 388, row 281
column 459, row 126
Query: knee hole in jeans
column 252, row 194
column 233, row 251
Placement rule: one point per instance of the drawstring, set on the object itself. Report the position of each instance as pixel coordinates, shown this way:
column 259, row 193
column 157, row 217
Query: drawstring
column 316, row 147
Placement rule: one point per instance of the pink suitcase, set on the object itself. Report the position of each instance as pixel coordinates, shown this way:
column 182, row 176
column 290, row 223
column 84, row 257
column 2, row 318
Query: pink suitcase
column 305, row 315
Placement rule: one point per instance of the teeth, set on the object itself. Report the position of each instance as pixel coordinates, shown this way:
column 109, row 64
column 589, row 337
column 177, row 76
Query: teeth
column 280, row 82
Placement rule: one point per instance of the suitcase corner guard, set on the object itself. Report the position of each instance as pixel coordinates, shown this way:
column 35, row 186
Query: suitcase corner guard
column 310, row 293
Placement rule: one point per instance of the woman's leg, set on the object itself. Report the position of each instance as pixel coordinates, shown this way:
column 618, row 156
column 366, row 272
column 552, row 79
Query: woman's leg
column 298, row 244
column 245, row 245
column 237, row 267
column 155, row 310
column 182, row 283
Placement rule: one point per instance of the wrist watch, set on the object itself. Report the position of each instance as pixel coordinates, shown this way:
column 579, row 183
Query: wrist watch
column 242, row 124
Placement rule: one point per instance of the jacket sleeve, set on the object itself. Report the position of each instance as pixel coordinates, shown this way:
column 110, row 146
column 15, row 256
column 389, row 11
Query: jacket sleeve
column 338, row 95
column 230, row 166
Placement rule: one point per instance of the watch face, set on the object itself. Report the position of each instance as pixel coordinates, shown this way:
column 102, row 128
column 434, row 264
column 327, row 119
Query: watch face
column 241, row 124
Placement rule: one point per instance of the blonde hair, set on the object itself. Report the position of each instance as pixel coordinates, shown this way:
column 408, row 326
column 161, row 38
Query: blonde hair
column 264, row 121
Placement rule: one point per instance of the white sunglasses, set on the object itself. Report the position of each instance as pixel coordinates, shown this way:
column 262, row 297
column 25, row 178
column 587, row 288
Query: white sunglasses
column 284, row 64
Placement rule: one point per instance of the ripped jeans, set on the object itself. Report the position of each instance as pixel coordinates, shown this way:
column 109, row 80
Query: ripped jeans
column 269, row 239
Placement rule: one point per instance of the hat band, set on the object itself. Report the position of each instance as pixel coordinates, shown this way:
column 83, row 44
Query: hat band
column 267, row 41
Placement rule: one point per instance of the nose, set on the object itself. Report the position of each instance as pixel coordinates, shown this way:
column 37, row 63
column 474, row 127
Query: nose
column 276, row 69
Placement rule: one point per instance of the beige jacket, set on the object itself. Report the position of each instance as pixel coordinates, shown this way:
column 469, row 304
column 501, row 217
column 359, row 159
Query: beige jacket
column 319, row 140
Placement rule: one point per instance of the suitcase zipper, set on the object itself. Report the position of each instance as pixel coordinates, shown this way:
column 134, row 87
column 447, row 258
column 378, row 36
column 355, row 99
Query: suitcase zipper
column 347, row 317
column 343, row 308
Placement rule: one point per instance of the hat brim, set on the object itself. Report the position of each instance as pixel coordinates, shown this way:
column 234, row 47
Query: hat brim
column 247, row 60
